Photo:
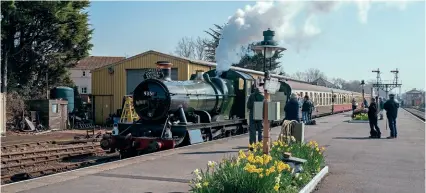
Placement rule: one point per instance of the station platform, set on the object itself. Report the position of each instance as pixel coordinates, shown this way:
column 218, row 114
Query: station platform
column 357, row 163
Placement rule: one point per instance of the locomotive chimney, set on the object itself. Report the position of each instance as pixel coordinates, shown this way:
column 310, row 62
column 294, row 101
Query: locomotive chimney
column 198, row 75
column 166, row 69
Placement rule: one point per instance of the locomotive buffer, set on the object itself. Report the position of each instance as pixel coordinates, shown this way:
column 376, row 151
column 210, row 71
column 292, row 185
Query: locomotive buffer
column 129, row 114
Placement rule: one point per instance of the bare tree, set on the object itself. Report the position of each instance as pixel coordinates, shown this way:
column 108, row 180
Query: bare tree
column 338, row 82
column 185, row 48
column 200, row 48
column 189, row 48
column 312, row 74
column 299, row 76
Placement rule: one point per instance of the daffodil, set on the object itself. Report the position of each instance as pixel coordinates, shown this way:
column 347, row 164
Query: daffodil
column 211, row 164
column 205, row 183
column 198, row 185
column 276, row 187
column 196, row 172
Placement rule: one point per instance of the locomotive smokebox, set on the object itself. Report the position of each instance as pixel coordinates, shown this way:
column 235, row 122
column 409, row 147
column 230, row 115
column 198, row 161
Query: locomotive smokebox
column 166, row 69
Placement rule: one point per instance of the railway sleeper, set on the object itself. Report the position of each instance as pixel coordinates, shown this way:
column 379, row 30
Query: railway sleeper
column 54, row 159
column 4, row 156
column 38, row 157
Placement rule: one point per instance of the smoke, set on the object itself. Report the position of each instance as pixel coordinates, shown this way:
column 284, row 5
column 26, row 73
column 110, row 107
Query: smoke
column 294, row 22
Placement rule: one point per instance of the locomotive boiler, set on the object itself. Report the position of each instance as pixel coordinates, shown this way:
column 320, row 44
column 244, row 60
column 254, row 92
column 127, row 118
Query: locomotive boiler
column 174, row 113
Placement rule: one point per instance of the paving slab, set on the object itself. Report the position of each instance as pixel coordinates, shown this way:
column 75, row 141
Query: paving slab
column 360, row 164
column 357, row 164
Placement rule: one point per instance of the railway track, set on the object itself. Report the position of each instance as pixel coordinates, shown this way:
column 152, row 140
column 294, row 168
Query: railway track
column 29, row 160
column 57, row 167
column 420, row 113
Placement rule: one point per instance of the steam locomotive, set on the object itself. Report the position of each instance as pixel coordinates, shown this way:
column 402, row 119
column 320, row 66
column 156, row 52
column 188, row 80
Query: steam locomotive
column 206, row 107
column 177, row 113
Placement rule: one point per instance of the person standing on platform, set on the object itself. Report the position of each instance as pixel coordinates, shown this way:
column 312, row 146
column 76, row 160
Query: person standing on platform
column 381, row 105
column 391, row 106
column 291, row 109
column 306, row 108
column 255, row 125
column 372, row 119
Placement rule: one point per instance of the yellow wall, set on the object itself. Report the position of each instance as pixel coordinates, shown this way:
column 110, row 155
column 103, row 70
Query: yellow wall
column 194, row 67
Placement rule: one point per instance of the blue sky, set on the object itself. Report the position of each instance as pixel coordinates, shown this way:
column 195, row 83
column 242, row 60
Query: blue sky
column 346, row 48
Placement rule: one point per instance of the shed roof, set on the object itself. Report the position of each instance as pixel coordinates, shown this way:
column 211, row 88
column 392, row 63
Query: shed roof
column 93, row 62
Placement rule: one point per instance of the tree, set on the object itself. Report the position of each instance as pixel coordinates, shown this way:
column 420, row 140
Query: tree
column 338, row 82
column 189, row 48
column 42, row 38
column 200, row 48
column 313, row 74
column 185, row 48
column 212, row 44
column 253, row 61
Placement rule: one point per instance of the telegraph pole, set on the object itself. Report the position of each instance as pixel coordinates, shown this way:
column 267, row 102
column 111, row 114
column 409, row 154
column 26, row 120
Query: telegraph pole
column 396, row 80
column 378, row 80
column 389, row 86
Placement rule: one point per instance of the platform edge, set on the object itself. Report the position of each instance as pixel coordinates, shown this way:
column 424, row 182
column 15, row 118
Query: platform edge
column 314, row 182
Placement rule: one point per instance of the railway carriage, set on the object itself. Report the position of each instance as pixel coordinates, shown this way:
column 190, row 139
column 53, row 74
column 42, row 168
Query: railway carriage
column 206, row 107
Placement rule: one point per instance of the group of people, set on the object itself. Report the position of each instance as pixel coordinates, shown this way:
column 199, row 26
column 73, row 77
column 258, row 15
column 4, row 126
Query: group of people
column 291, row 110
column 391, row 106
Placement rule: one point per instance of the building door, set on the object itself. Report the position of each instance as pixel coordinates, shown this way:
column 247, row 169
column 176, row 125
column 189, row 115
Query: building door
column 63, row 116
column 103, row 108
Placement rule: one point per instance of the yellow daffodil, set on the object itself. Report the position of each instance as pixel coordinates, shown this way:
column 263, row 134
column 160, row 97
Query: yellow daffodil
column 198, row 185
column 211, row 164
column 276, row 187
column 205, row 183
column 196, row 172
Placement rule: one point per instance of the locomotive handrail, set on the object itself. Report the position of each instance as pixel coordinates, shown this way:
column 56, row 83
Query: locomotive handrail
column 172, row 94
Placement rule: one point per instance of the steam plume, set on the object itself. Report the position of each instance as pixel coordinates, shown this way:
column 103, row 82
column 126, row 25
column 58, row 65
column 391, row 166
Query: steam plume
column 293, row 22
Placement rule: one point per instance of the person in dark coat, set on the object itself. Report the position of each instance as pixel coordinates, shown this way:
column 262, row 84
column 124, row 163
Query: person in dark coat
column 306, row 109
column 365, row 103
column 291, row 109
column 372, row 119
column 391, row 106
column 255, row 125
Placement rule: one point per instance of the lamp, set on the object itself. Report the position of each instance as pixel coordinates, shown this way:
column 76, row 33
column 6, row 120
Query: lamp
column 268, row 47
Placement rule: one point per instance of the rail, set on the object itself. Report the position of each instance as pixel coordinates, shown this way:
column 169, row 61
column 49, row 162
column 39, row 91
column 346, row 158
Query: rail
column 419, row 113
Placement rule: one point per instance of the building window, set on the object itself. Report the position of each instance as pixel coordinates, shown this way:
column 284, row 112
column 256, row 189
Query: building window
column 83, row 90
column 84, row 73
column 54, row 108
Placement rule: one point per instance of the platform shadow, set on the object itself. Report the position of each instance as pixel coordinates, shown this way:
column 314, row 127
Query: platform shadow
column 240, row 147
column 209, row 152
column 357, row 138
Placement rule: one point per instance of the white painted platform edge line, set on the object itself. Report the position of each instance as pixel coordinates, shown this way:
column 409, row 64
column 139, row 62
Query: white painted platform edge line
column 314, row 182
column 414, row 116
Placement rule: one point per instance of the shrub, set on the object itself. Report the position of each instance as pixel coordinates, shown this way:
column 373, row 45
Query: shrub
column 254, row 172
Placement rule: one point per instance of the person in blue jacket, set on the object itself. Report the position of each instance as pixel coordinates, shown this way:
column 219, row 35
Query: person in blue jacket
column 391, row 106
column 291, row 109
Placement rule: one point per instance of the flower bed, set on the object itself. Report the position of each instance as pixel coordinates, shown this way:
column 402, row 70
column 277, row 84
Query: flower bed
column 253, row 171
column 361, row 116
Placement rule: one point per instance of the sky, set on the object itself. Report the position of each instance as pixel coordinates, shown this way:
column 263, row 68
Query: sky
column 349, row 45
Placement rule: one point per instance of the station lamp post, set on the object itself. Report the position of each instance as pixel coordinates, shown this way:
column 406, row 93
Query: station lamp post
column 268, row 47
